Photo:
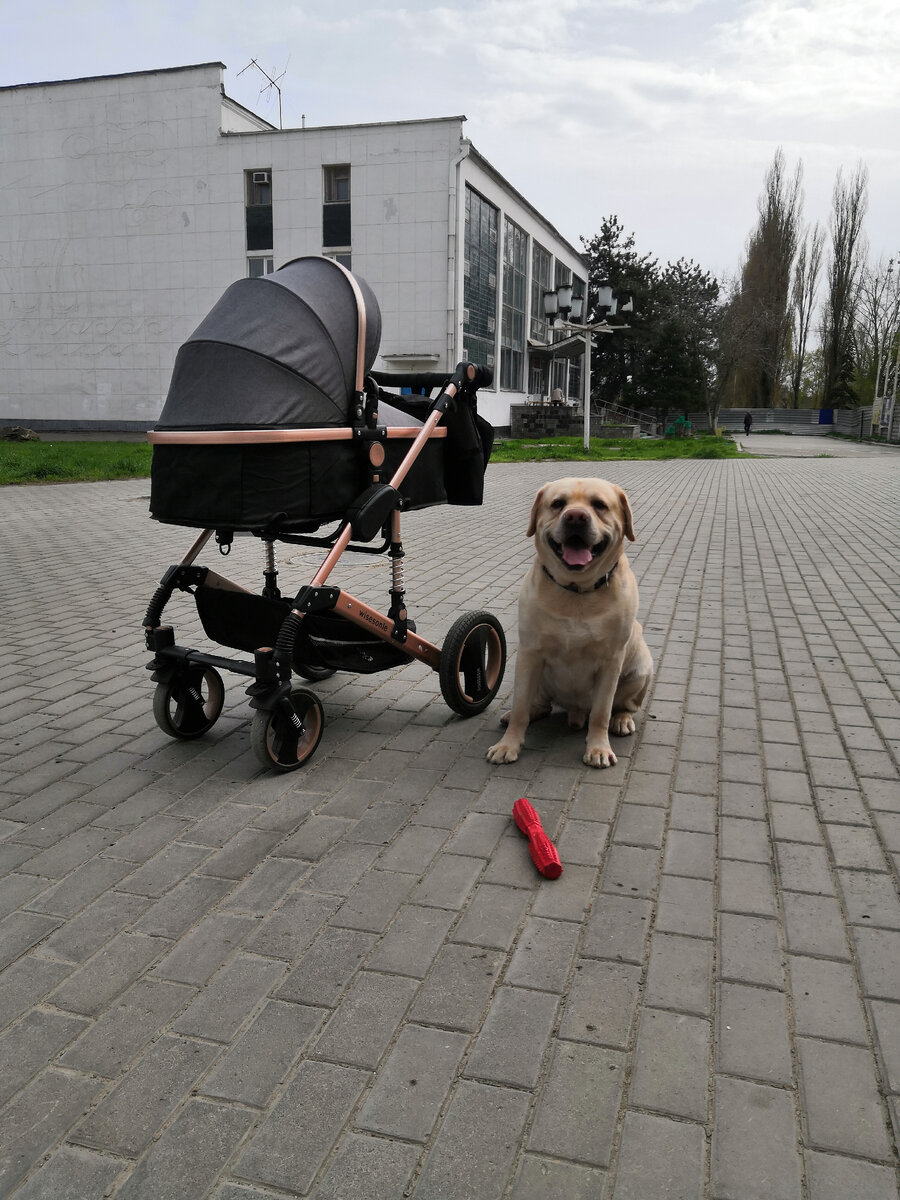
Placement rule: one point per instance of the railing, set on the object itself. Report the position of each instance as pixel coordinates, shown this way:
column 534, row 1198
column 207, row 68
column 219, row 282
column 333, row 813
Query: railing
column 617, row 414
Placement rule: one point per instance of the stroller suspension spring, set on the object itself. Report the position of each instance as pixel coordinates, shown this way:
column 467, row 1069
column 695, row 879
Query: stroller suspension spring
column 397, row 582
column 270, row 573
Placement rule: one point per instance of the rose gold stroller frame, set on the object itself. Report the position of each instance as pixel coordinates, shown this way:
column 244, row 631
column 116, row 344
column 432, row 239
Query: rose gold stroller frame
column 288, row 723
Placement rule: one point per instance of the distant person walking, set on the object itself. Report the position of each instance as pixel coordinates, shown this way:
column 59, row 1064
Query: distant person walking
column 748, row 421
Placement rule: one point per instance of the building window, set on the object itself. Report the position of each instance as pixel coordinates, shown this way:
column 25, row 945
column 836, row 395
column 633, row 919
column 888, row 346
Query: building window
column 336, row 206
column 260, row 264
column 512, row 326
column 480, row 280
column 540, row 283
column 343, row 259
column 258, row 208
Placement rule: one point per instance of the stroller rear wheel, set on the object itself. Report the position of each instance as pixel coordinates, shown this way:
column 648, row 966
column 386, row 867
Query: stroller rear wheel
column 473, row 659
column 286, row 736
column 188, row 705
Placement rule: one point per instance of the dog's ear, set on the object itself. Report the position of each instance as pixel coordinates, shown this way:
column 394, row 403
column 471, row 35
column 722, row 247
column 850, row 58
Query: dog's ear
column 535, row 509
column 626, row 514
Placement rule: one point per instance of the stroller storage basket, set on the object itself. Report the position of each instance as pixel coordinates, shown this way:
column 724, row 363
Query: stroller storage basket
column 245, row 621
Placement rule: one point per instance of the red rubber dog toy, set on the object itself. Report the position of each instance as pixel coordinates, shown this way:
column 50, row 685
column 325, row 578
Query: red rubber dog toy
column 543, row 852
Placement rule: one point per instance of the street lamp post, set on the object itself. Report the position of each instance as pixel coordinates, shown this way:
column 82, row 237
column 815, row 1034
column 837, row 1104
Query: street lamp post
column 560, row 305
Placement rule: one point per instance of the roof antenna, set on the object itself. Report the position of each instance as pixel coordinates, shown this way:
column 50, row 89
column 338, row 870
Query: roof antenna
column 273, row 83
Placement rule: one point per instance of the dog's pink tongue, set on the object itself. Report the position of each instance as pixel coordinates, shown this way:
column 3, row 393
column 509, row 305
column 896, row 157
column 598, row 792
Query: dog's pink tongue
column 576, row 556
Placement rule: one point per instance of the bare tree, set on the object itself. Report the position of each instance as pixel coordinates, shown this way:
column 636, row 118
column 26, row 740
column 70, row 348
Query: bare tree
column 803, row 303
column 876, row 317
column 878, row 336
column 766, row 281
column 848, row 246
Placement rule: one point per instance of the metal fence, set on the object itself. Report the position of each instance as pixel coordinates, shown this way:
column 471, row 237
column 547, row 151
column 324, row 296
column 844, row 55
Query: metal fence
column 812, row 422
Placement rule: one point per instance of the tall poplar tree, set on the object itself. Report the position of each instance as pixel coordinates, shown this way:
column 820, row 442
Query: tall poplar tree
column 766, row 283
column 848, row 250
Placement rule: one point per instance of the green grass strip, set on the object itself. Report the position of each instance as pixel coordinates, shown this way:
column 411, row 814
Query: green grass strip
column 570, row 449
column 72, row 462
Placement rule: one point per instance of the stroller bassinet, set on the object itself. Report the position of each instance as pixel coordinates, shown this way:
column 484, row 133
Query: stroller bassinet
column 258, row 428
column 275, row 425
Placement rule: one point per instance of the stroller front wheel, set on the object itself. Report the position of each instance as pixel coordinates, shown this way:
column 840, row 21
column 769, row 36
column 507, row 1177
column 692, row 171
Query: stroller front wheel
column 285, row 737
column 188, row 705
column 473, row 659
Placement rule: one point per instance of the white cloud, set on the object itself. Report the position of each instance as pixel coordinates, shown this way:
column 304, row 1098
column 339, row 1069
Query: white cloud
column 665, row 111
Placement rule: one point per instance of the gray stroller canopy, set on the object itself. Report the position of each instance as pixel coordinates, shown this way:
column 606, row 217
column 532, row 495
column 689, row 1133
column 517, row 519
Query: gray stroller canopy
column 275, row 352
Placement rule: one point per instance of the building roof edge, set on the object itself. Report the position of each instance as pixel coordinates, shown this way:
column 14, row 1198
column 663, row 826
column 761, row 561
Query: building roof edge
column 491, row 170
column 359, row 125
column 9, row 87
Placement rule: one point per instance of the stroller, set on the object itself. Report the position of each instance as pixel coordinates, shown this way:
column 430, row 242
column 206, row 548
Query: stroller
column 275, row 426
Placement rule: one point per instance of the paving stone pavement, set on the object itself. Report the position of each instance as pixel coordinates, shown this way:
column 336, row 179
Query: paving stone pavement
column 349, row 982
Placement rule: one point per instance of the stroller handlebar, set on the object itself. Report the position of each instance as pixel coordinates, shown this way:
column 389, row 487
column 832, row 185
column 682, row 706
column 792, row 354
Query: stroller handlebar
column 468, row 376
column 466, row 379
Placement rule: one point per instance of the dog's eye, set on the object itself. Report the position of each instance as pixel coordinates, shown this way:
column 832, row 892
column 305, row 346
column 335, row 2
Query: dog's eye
column 558, row 503
column 599, row 505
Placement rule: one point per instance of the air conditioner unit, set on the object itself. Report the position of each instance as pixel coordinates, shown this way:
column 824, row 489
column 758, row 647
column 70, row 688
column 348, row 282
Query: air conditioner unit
column 262, row 177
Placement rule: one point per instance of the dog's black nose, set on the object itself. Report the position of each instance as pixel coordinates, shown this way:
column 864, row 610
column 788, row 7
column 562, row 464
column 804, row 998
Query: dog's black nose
column 577, row 516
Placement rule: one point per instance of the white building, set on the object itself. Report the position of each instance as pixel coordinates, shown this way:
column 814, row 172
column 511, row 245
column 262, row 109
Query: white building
column 130, row 202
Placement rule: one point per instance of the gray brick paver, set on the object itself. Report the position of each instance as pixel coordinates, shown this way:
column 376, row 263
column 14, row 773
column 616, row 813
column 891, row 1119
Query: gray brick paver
column 848, row 1119
column 254, row 1066
column 456, row 992
column 576, row 1110
column 35, row 1119
column 287, row 1150
column 475, row 1148
column 753, row 1034
column 827, row 1003
column 27, row 1046
column 116, row 1037
column 754, row 1144
column 72, row 1172
column 191, row 1153
column 834, row 1178
column 660, row 1158
column 126, row 1120
column 412, row 1085
column 666, row 1074
column 365, row 1167
column 372, row 1009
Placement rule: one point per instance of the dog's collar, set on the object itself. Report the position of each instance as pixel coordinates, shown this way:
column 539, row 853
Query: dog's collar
column 573, row 587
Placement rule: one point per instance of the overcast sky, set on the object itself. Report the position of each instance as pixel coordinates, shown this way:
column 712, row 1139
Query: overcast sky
column 665, row 112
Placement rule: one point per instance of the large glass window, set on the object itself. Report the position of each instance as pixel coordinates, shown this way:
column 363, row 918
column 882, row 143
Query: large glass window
column 336, row 206
column 258, row 209
column 541, row 263
column 512, row 329
column 480, row 282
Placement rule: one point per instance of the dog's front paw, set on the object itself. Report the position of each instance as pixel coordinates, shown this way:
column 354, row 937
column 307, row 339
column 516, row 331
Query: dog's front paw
column 599, row 756
column 504, row 719
column 622, row 724
column 503, row 752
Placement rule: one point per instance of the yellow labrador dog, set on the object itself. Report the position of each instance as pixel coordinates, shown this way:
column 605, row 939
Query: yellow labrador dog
column 580, row 646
